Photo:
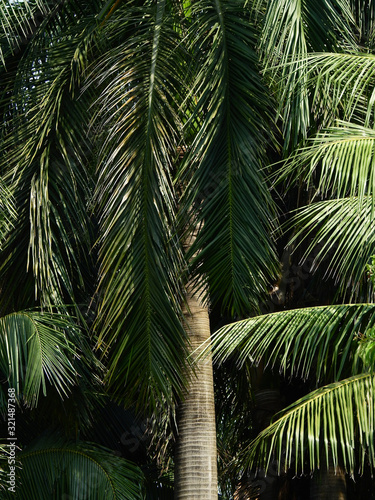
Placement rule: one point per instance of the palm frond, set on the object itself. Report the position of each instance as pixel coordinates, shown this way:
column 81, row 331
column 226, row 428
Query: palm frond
column 366, row 349
column 342, row 232
column 341, row 158
column 364, row 16
column 335, row 422
column 18, row 21
column 313, row 341
column 8, row 211
column 52, row 469
column 37, row 350
column 342, row 86
column 291, row 26
column 45, row 157
column 283, row 40
column 224, row 196
column 291, row 30
column 140, row 256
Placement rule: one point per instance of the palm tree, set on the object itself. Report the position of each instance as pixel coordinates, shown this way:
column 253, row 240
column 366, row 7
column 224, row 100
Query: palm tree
column 216, row 186
column 97, row 99
column 47, row 235
column 330, row 138
column 106, row 223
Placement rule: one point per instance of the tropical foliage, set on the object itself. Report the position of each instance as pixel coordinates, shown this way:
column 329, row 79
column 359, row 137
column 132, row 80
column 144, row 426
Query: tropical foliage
column 129, row 126
column 326, row 99
column 97, row 101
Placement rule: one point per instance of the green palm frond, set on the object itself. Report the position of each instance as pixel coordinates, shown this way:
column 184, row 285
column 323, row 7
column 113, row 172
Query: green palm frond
column 342, row 159
column 313, row 341
column 140, row 256
column 284, row 39
column 366, row 349
column 341, row 232
column 292, row 26
column 343, row 86
column 291, row 30
column 22, row 21
column 363, row 13
column 332, row 424
column 36, row 350
column 52, row 469
column 19, row 20
column 224, row 193
column 45, row 155
column 8, row 211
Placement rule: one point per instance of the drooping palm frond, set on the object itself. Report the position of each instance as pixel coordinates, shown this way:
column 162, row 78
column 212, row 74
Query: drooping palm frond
column 291, row 30
column 8, row 212
column 19, row 21
column 313, row 341
column 342, row 232
column 224, row 196
column 364, row 15
column 52, row 469
column 333, row 424
column 36, row 350
column 140, row 257
column 45, row 156
column 343, row 86
column 323, row 25
column 284, row 39
column 339, row 161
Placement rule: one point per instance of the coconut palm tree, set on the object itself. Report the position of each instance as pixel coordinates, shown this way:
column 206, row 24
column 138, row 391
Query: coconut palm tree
column 98, row 100
column 133, row 140
column 214, row 183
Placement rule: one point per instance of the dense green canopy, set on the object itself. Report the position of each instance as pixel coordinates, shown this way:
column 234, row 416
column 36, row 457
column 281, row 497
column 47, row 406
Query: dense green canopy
column 127, row 126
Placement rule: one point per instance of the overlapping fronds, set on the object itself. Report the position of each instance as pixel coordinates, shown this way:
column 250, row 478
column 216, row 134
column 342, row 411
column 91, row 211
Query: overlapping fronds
column 19, row 21
column 292, row 29
column 333, row 424
column 318, row 25
column 44, row 156
column 225, row 195
column 339, row 161
column 314, row 341
column 37, row 350
column 341, row 232
column 364, row 14
column 283, row 40
column 140, row 257
column 8, row 211
column 52, row 469
column 343, row 86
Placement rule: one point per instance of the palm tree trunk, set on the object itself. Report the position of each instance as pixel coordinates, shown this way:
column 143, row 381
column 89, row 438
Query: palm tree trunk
column 196, row 455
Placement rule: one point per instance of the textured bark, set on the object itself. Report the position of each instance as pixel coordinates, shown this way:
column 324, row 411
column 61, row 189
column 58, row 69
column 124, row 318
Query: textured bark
column 196, row 455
